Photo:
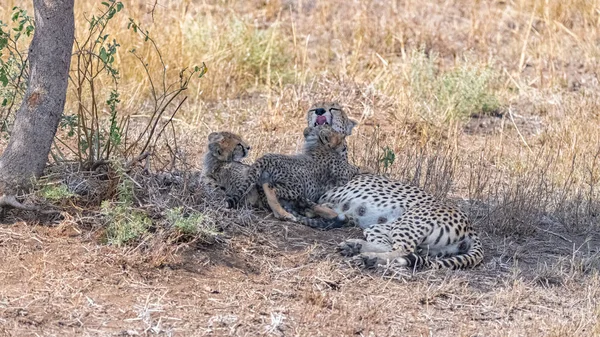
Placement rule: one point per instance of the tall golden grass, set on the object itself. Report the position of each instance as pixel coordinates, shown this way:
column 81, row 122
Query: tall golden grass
column 413, row 72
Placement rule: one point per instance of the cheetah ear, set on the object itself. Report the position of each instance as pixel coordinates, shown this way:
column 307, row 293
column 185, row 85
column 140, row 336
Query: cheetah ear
column 306, row 132
column 214, row 137
column 351, row 124
column 214, row 148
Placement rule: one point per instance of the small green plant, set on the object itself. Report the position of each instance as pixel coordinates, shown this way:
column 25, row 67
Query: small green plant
column 55, row 193
column 388, row 158
column 124, row 223
column 94, row 57
column 193, row 224
column 125, row 187
column 465, row 91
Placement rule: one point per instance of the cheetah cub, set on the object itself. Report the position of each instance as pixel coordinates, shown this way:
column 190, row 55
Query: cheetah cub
column 224, row 170
column 300, row 180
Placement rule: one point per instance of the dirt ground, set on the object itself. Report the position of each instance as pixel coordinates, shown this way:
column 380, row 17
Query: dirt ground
column 283, row 279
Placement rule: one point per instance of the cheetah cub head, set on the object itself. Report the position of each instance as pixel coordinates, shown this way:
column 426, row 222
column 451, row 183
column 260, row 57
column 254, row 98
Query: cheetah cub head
column 227, row 146
column 323, row 137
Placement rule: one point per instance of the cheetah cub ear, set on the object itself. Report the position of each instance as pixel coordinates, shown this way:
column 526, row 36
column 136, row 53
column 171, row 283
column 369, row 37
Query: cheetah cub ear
column 214, row 137
column 351, row 124
column 215, row 149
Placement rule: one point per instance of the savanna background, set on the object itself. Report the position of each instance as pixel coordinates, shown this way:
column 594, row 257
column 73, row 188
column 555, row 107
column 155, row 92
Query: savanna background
column 493, row 104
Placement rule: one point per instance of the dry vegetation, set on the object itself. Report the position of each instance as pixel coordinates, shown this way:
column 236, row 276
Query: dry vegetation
column 492, row 103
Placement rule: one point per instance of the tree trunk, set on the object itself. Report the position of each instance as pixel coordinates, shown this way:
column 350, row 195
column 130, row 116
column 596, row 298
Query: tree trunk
column 37, row 119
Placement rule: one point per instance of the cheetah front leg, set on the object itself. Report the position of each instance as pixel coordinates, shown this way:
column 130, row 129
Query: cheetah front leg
column 274, row 204
column 405, row 235
column 353, row 247
column 376, row 241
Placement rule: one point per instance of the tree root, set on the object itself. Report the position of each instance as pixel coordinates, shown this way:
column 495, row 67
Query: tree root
column 11, row 201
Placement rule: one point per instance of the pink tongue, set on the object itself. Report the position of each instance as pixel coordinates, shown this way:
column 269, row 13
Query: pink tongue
column 321, row 120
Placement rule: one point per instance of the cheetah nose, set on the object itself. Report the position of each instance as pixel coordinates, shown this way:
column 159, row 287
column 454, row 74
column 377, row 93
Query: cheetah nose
column 319, row 111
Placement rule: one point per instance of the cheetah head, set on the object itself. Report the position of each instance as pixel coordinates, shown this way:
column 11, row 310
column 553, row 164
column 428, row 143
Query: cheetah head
column 332, row 114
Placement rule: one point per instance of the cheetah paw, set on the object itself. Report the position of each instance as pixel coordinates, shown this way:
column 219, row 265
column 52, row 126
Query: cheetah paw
column 289, row 218
column 350, row 247
column 371, row 261
column 351, row 222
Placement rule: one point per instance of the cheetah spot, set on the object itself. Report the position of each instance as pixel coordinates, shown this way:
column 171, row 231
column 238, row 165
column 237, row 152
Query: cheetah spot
column 362, row 210
column 382, row 220
column 345, row 207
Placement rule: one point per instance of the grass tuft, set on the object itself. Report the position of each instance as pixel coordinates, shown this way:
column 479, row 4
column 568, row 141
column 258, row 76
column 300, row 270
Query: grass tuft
column 193, row 224
column 125, row 224
column 55, row 193
column 454, row 94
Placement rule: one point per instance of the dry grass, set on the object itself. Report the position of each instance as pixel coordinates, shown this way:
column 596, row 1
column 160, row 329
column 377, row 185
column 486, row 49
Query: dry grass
column 493, row 103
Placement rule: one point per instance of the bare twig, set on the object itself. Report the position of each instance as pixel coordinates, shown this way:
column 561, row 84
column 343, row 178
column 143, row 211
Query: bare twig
column 554, row 233
column 137, row 159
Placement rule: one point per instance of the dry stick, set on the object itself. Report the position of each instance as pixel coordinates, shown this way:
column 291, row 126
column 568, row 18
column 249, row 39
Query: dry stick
column 169, row 121
column 524, row 49
column 554, row 233
column 510, row 114
column 137, row 159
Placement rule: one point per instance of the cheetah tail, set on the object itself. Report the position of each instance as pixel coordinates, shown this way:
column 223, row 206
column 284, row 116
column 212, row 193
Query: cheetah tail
column 469, row 259
column 317, row 223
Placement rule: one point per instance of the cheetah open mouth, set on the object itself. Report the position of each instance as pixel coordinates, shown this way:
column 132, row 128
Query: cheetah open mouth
column 321, row 120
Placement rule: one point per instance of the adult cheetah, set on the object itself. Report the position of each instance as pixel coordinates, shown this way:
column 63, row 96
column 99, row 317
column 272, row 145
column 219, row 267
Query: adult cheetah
column 402, row 223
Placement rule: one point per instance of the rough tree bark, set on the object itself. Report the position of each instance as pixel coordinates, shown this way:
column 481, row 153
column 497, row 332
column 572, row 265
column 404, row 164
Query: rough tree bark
column 37, row 119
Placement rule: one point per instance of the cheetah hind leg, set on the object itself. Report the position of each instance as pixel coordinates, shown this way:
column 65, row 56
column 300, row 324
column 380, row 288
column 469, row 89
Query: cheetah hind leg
column 325, row 212
column 275, row 206
column 353, row 247
column 317, row 222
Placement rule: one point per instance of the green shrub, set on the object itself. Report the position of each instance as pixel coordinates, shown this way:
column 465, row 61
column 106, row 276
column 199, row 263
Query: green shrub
column 458, row 93
column 195, row 224
column 124, row 223
column 55, row 193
